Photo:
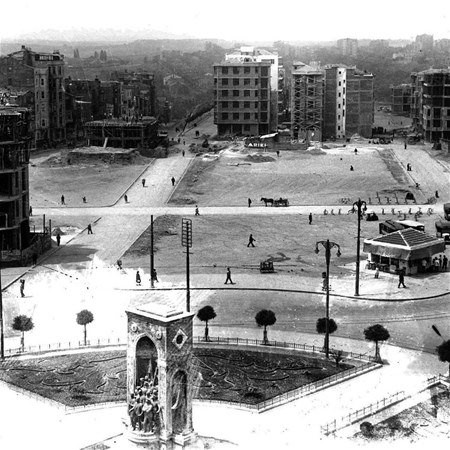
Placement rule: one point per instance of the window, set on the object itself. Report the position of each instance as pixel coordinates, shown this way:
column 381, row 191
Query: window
column 246, row 93
column 235, row 104
column 42, row 94
column 263, row 117
column 256, row 93
column 263, row 106
column 256, row 116
column 246, row 116
column 264, row 82
column 339, row 105
column 235, row 116
column 340, row 72
column 236, row 70
column 224, row 104
column 339, row 128
column 246, row 104
column 343, row 102
column 246, row 81
column 256, row 70
column 343, row 90
column 224, row 70
column 224, row 116
column 42, row 82
column 43, row 122
column 235, row 81
column 264, row 71
column 224, row 81
column 235, row 93
column 224, row 93
column 246, row 69
column 339, row 94
column 340, row 83
column 339, row 117
column 246, row 127
column 256, row 104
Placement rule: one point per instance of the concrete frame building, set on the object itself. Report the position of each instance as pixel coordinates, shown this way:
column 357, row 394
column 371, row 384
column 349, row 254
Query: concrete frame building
column 307, row 87
column 242, row 91
column 15, row 140
column 431, row 104
column 334, row 117
column 401, row 99
column 43, row 73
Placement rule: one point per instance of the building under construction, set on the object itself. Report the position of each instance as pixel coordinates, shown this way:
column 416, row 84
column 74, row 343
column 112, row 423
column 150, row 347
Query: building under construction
column 401, row 96
column 123, row 134
column 307, row 102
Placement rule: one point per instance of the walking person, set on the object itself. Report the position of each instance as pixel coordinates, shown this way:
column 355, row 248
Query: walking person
column 125, row 197
column 401, row 278
column 228, row 277
column 89, row 229
column 377, row 273
column 31, row 211
column 251, row 239
column 143, row 182
column 173, row 181
column 22, row 288
column 84, row 200
column 63, row 200
column 58, row 239
column 138, row 278
column 183, row 153
column 196, row 210
column 310, row 218
column 249, row 202
column 154, row 275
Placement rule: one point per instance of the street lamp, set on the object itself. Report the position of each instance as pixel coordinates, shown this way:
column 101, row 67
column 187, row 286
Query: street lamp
column 328, row 245
column 361, row 207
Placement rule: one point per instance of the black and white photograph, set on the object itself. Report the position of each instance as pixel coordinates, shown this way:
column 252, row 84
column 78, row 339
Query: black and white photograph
column 224, row 225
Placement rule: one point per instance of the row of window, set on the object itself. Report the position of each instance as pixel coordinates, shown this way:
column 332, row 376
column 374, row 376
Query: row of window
column 262, row 105
column 244, row 116
column 243, row 82
column 245, row 93
column 239, row 70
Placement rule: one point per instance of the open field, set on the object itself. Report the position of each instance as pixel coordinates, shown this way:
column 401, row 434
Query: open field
column 232, row 375
column 102, row 184
column 314, row 177
column 288, row 240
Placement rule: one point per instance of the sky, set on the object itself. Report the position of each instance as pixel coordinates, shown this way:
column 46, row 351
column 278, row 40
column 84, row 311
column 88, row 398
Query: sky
column 234, row 20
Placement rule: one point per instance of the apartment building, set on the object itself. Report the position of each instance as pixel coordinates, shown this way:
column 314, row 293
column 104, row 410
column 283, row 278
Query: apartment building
column 348, row 46
column 43, row 73
column 242, row 92
column 430, row 108
column 401, row 98
column 15, row 140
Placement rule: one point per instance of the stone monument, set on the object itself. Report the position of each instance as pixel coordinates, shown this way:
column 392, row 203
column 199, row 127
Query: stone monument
column 160, row 377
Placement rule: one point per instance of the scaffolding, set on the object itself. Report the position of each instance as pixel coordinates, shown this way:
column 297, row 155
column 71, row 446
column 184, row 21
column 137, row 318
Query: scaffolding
column 307, row 104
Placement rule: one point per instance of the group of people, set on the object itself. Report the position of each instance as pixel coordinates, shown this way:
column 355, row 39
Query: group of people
column 143, row 408
column 439, row 264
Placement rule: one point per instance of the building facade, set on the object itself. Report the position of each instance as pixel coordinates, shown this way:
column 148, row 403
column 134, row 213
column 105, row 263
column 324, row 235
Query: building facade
column 43, row 73
column 430, row 109
column 401, row 96
column 334, row 116
column 15, row 141
column 307, row 87
column 348, row 47
column 242, row 92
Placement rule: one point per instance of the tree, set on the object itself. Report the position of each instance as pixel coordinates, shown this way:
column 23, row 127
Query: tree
column 84, row 317
column 321, row 328
column 376, row 333
column 443, row 351
column 206, row 314
column 22, row 323
column 265, row 318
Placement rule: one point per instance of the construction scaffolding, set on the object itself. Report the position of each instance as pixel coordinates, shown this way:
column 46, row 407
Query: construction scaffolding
column 307, row 103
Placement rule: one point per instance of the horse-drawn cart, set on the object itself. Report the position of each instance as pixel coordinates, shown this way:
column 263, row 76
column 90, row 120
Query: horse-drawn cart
column 281, row 202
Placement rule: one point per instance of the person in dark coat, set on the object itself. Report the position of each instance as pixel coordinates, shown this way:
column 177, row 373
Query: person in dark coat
column 310, row 218
column 173, row 181
column 89, row 229
column 154, row 275
column 228, row 277
column 63, row 202
column 58, row 239
column 249, row 202
column 401, row 278
column 138, row 278
column 251, row 239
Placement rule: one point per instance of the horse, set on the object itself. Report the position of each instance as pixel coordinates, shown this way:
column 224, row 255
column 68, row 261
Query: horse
column 267, row 200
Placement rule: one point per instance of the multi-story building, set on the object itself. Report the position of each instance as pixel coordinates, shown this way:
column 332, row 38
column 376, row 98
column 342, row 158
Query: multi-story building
column 431, row 104
column 424, row 43
column 44, row 74
column 401, row 99
column 307, row 102
column 348, row 46
column 138, row 96
column 242, row 91
column 334, row 117
column 15, row 140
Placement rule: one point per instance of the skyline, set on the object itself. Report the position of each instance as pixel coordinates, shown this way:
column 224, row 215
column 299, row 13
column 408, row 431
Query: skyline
column 233, row 21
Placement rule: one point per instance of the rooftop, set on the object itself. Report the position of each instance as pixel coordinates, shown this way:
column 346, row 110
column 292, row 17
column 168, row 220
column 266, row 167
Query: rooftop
column 406, row 238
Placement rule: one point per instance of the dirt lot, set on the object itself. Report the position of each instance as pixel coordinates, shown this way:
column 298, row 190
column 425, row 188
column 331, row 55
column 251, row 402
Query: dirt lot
column 314, row 177
column 220, row 241
column 102, row 184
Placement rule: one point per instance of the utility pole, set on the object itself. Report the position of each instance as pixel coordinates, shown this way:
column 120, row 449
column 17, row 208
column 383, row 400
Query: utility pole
column 360, row 204
column 327, row 245
column 186, row 241
column 152, row 255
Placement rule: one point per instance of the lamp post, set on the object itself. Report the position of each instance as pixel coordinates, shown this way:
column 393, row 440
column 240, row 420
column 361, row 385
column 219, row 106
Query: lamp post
column 328, row 245
column 360, row 206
